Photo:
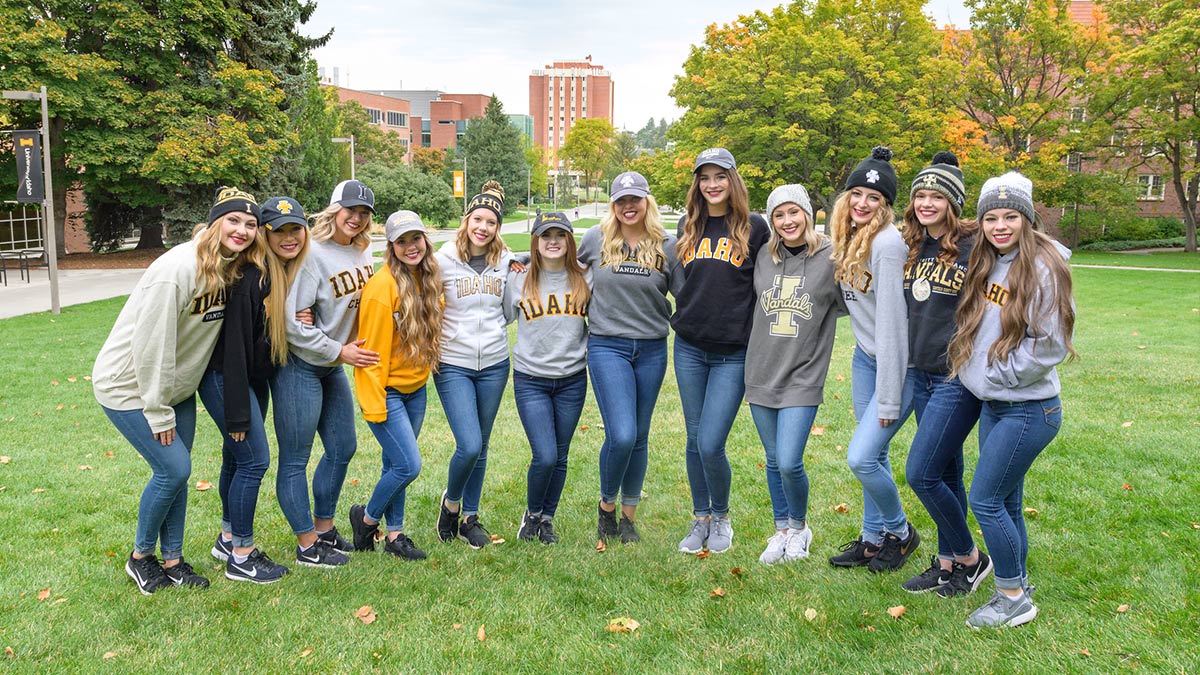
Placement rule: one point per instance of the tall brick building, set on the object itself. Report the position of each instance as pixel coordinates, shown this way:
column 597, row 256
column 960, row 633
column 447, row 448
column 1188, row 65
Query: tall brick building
column 563, row 92
column 388, row 113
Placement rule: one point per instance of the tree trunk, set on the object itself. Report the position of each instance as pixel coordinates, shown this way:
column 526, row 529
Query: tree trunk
column 58, row 170
column 151, row 236
column 1187, row 198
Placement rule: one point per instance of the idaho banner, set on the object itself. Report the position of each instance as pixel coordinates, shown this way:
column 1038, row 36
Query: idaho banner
column 30, row 186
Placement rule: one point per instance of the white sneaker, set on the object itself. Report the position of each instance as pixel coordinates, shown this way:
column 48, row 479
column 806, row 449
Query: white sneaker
column 797, row 544
column 775, row 549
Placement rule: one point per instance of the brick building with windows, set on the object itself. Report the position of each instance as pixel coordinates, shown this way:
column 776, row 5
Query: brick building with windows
column 438, row 119
column 390, row 114
column 563, row 92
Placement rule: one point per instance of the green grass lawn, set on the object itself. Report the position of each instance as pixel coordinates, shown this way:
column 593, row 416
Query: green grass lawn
column 1166, row 260
column 1117, row 499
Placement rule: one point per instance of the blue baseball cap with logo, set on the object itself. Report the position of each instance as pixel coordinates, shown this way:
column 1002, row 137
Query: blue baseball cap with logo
column 718, row 156
column 278, row 212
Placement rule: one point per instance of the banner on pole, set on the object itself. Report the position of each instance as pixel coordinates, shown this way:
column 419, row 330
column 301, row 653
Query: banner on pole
column 459, row 190
column 30, row 184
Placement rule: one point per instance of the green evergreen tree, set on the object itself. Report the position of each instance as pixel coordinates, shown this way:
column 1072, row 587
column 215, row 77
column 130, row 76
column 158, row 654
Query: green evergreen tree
column 494, row 151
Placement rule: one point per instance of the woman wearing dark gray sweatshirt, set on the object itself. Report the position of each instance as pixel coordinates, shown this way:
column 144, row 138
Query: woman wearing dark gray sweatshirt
column 791, row 341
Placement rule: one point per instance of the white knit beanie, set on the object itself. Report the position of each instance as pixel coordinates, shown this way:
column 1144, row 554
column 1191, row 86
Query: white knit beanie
column 1010, row 191
column 793, row 193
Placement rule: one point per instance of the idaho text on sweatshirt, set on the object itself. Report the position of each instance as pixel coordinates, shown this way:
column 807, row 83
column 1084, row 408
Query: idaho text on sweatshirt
column 795, row 318
column 629, row 300
column 552, row 326
column 158, row 350
column 879, row 317
column 474, row 332
column 1028, row 372
column 377, row 326
column 715, row 303
column 330, row 282
column 931, row 290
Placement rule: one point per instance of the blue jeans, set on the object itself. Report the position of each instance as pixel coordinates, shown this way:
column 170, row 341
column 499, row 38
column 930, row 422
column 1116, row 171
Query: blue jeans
column 311, row 400
column 549, row 410
column 243, row 463
column 946, row 412
column 711, row 387
column 1011, row 436
column 626, row 375
column 867, row 453
column 470, row 399
column 784, row 434
column 397, row 436
column 163, row 508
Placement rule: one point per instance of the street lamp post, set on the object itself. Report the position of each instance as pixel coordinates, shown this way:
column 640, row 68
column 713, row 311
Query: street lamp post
column 528, row 201
column 350, row 140
column 51, row 242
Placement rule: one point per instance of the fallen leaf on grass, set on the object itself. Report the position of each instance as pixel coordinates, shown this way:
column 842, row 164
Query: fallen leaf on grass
column 8, row 651
column 1195, row 526
column 840, row 378
column 305, row 653
column 72, row 379
column 203, row 485
column 111, row 554
column 1126, row 486
column 1085, row 652
column 457, row 626
column 3, row 488
column 1031, row 512
column 601, row 547
column 810, row 614
column 85, row 467
column 737, row 571
column 109, row 655
column 53, row 383
column 496, row 539
column 842, row 508
column 818, row 430
column 43, row 594
column 761, row 466
column 5, row 459
column 1141, row 346
column 365, row 614
column 1126, row 425
column 59, row 406
column 622, row 624
column 1122, row 609
column 897, row 611
column 110, row 454
column 480, row 634
column 88, row 378
column 59, row 601
column 704, row 554
column 870, row 629
column 1135, row 332
column 584, row 427
column 717, row 592
column 380, row 535
column 354, row 481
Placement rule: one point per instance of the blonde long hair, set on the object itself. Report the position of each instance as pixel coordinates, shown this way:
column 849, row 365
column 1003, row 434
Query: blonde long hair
column 812, row 239
column 419, row 315
column 852, row 245
column 281, row 274
column 462, row 243
column 1025, row 292
column 737, row 219
column 324, row 224
column 580, row 294
column 212, row 272
column 648, row 251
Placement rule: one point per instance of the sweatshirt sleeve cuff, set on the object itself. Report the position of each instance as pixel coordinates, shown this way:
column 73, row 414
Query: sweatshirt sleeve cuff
column 378, row 418
column 888, row 412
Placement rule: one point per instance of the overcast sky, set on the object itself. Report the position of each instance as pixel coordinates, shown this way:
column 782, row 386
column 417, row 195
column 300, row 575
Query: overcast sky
column 470, row 47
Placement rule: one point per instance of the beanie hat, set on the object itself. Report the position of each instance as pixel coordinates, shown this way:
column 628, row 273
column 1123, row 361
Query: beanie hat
column 943, row 176
column 790, row 194
column 875, row 172
column 278, row 212
column 491, row 198
column 1010, row 191
column 230, row 199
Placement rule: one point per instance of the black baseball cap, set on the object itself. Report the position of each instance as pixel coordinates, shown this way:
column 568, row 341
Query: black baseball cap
column 280, row 211
column 351, row 193
column 551, row 219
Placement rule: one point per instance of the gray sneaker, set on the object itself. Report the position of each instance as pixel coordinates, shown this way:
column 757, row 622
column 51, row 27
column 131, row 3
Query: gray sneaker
column 720, row 535
column 1002, row 610
column 694, row 541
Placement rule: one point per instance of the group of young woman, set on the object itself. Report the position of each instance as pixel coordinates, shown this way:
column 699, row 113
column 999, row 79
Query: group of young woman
column 959, row 326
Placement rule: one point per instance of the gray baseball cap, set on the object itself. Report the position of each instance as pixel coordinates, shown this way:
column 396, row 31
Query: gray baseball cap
column 351, row 193
column 719, row 156
column 401, row 223
column 629, row 183
column 551, row 219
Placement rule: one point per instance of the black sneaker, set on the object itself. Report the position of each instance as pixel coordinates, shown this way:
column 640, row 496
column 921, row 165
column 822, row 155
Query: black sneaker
column 965, row 579
column 930, row 580
column 447, row 522
column 258, row 569
column 628, row 531
column 335, row 540
column 183, row 575
column 147, row 573
column 364, row 534
column 606, row 524
column 895, row 551
column 403, row 547
column 222, row 549
column 854, row 554
column 321, row 554
column 473, row 533
column 529, row 527
column 546, row 532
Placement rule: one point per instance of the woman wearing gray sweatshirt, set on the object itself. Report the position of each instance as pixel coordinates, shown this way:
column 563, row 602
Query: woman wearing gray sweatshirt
column 791, row 340
column 1015, row 324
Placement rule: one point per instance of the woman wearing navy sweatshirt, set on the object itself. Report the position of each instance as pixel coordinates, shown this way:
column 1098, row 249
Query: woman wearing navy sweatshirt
column 719, row 240
column 1014, row 326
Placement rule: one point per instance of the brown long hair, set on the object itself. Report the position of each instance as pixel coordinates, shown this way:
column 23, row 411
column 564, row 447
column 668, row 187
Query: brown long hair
column 737, row 219
column 281, row 273
column 1025, row 293
column 648, row 250
column 419, row 315
column 852, row 245
column 580, row 294
column 956, row 229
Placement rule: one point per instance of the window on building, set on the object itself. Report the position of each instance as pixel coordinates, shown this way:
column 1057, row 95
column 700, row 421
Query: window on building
column 1078, row 117
column 404, row 142
column 375, row 115
column 1074, row 162
column 397, row 119
column 1151, row 187
column 1120, row 138
column 426, row 139
column 446, row 122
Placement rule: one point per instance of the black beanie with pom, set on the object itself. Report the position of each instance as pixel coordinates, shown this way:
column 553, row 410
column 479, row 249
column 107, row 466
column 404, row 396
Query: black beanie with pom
column 944, row 176
column 876, row 172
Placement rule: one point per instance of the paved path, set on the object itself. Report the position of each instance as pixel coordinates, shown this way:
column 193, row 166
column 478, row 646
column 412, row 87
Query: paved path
column 1139, row 269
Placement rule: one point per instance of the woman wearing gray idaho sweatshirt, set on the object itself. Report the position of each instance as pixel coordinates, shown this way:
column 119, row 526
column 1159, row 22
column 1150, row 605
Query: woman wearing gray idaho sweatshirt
column 549, row 303
column 311, row 392
column 1015, row 324
column 791, row 341
column 869, row 256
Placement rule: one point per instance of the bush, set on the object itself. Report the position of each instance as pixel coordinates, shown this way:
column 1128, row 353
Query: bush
column 1096, row 227
column 400, row 187
column 1132, row 244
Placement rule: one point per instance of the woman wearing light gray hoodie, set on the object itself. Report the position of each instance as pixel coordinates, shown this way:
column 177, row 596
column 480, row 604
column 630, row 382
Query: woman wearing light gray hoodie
column 1015, row 324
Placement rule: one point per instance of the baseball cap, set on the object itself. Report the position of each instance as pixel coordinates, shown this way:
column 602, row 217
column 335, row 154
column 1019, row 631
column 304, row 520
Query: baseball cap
column 629, row 183
column 719, row 156
column 551, row 219
column 350, row 193
column 280, row 211
column 401, row 223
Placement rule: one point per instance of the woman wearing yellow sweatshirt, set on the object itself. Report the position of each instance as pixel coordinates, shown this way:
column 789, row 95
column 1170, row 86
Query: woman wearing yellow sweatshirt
column 400, row 318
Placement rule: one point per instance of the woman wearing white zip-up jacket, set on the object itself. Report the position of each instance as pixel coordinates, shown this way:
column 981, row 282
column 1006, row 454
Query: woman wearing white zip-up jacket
column 473, row 371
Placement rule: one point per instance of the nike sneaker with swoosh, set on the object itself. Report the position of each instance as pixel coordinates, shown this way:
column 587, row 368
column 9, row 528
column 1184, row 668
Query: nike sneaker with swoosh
column 1002, row 611
column 258, row 569
column 222, row 549
column 147, row 573
column 321, row 554
column 930, row 580
column 182, row 574
column 335, row 540
column 965, row 579
column 895, row 551
column 854, row 554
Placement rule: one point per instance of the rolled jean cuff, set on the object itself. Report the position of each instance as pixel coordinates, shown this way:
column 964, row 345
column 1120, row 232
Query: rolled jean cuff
column 1009, row 584
column 629, row 500
column 705, row 513
column 310, row 528
column 963, row 555
column 170, row 555
column 782, row 523
column 796, row 523
column 143, row 551
column 949, row 558
column 226, row 526
column 243, row 542
column 872, row 538
column 395, row 528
